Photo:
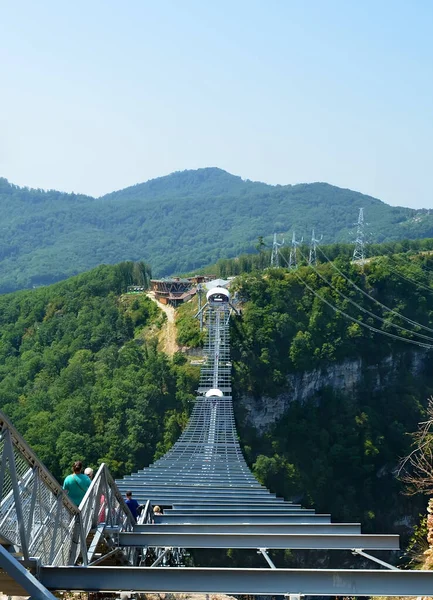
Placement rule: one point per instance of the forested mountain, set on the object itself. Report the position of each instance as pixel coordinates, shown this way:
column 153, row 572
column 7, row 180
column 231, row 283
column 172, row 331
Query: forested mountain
column 79, row 381
column 177, row 223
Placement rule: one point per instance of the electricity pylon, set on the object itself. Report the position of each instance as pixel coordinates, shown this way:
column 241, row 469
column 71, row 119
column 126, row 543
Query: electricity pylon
column 312, row 258
column 293, row 263
column 359, row 251
column 274, row 254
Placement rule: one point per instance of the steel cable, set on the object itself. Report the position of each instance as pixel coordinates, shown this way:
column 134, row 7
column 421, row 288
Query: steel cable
column 370, row 327
column 394, row 312
column 361, row 308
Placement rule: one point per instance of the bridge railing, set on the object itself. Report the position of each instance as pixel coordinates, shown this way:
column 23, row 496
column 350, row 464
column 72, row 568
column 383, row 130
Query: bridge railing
column 146, row 515
column 39, row 521
column 103, row 511
column 37, row 518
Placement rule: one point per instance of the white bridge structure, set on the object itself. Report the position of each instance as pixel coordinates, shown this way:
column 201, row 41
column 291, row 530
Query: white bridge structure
column 210, row 499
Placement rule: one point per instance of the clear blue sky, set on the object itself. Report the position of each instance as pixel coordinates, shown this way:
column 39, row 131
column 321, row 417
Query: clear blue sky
column 98, row 95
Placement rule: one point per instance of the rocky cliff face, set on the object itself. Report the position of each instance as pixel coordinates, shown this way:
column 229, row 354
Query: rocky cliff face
column 346, row 377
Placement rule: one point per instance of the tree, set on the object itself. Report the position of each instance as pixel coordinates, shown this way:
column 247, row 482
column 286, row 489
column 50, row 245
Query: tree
column 416, row 470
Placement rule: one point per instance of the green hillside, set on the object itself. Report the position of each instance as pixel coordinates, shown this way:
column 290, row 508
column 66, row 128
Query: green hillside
column 79, row 381
column 336, row 449
column 176, row 223
column 340, row 448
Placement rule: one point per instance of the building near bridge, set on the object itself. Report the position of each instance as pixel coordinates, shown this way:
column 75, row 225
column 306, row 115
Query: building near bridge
column 176, row 290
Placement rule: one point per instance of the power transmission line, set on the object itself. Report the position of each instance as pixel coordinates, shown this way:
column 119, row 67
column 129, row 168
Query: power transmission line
column 366, row 311
column 422, row 264
column 394, row 312
column 370, row 327
column 410, row 279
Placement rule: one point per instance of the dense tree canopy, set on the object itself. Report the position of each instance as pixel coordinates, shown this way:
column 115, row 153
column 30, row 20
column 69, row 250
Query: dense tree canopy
column 246, row 263
column 78, row 382
column 338, row 452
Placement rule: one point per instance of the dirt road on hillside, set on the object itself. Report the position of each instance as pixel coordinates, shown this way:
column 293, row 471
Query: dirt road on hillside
column 167, row 336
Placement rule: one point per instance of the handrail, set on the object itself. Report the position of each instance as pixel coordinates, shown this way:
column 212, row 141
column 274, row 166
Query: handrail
column 33, row 460
column 103, row 510
column 36, row 516
column 146, row 515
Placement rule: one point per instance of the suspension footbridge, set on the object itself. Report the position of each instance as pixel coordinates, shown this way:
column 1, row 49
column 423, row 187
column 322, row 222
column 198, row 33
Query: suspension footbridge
column 210, row 499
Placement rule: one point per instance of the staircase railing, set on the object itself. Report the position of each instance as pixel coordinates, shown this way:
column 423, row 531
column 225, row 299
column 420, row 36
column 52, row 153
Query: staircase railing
column 104, row 512
column 36, row 517
column 146, row 515
column 39, row 521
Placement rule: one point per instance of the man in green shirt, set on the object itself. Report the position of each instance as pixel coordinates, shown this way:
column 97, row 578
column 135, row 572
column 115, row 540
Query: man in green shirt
column 77, row 484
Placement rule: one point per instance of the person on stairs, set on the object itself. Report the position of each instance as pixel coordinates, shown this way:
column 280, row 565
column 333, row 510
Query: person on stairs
column 77, row 484
column 133, row 505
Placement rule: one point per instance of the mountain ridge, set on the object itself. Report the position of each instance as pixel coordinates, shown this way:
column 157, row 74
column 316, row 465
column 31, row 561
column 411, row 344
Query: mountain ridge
column 177, row 223
column 154, row 182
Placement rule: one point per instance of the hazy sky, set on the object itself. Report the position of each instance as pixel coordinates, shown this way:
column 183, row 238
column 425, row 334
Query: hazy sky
column 101, row 94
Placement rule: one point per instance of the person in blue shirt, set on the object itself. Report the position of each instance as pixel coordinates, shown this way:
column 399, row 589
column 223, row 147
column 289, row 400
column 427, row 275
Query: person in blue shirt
column 133, row 505
column 77, row 484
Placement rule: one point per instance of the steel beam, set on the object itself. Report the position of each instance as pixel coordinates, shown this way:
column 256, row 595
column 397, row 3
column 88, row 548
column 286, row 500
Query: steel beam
column 320, row 528
column 246, row 505
column 250, row 510
column 245, row 518
column 222, row 459
column 199, row 501
column 205, row 493
column 208, row 492
column 254, row 488
column 293, row 541
column 206, row 499
column 311, row 582
column 183, row 479
column 161, row 557
column 200, row 474
column 195, row 476
column 195, row 465
column 189, row 489
column 171, row 480
column 374, row 559
column 188, row 504
column 267, row 557
column 22, row 577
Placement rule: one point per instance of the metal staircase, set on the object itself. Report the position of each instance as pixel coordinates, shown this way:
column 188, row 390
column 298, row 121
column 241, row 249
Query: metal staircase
column 40, row 526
